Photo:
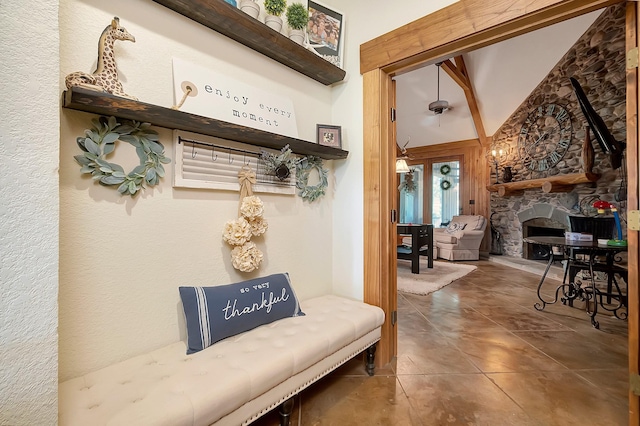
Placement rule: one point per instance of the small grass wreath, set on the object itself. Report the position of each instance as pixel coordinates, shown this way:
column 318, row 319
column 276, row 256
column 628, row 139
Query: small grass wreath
column 445, row 184
column 445, row 169
column 99, row 141
column 303, row 168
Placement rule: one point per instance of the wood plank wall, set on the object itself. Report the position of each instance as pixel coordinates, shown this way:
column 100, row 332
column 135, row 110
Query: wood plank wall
column 475, row 174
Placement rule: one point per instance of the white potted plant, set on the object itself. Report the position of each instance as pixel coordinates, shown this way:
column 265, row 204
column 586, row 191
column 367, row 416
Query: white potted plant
column 274, row 9
column 297, row 18
column 250, row 7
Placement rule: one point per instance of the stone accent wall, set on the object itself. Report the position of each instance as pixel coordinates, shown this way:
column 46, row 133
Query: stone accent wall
column 597, row 61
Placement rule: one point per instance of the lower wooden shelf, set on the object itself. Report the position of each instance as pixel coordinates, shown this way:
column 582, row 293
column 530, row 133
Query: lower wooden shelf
column 558, row 183
column 106, row 104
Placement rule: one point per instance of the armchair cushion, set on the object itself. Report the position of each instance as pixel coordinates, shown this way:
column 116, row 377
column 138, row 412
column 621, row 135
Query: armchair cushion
column 455, row 226
column 472, row 222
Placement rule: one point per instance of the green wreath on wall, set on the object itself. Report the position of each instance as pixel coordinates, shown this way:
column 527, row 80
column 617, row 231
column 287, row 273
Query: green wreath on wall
column 445, row 184
column 100, row 141
column 445, row 169
column 303, row 168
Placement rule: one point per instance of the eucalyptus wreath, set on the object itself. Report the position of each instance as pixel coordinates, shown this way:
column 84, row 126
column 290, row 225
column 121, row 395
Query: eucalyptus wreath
column 303, row 168
column 280, row 165
column 100, row 141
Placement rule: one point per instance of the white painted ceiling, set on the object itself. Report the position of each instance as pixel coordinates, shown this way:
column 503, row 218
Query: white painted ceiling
column 503, row 75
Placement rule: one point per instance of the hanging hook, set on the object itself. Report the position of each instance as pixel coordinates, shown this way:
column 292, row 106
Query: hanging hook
column 193, row 150
column 244, row 159
column 230, row 158
column 213, row 151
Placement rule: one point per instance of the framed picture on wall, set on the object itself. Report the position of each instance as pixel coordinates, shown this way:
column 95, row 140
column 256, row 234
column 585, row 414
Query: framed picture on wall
column 329, row 135
column 326, row 32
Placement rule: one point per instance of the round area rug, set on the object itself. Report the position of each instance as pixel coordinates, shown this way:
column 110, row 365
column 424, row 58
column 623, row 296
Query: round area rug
column 429, row 279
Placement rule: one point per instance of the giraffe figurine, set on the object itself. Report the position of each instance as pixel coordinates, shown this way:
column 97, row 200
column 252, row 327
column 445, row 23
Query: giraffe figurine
column 105, row 77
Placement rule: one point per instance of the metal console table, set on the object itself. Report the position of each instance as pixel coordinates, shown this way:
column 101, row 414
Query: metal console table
column 572, row 290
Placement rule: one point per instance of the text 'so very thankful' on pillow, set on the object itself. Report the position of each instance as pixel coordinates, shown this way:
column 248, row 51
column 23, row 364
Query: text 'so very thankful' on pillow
column 215, row 313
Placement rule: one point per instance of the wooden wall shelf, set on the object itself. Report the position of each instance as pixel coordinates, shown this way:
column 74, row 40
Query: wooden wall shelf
column 107, row 104
column 237, row 25
column 558, row 183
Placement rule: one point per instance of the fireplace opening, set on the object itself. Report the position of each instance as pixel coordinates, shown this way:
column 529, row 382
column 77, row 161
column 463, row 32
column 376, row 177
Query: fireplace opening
column 540, row 227
column 538, row 251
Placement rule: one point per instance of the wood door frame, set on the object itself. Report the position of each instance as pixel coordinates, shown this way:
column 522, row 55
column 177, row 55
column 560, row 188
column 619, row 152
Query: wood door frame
column 459, row 28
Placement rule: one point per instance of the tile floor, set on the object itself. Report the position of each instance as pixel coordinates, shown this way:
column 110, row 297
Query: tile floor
column 477, row 353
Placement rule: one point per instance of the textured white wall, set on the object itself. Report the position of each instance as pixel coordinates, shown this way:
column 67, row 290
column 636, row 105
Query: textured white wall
column 365, row 20
column 122, row 259
column 29, row 135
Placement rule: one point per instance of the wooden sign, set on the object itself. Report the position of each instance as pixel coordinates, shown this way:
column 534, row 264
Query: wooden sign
column 215, row 95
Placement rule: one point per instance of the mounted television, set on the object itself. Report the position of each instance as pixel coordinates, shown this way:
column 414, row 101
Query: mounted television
column 607, row 143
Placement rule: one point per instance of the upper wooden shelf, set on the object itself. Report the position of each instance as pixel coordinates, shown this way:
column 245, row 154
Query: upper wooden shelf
column 237, row 25
column 558, row 183
column 107, row 104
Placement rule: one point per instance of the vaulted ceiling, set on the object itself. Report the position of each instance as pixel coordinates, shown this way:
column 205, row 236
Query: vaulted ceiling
column 498, row 78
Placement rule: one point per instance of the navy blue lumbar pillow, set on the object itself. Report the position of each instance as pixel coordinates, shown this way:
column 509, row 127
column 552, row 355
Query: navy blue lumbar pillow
column 215, row 313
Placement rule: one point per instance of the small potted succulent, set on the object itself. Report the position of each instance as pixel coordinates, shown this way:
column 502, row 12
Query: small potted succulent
column 297, row 18
column 274, row 9
column 250, row 7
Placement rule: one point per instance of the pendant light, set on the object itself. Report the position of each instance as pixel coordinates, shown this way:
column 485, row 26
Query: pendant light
column 401, row 162
column 401, row 166
column 439, row 106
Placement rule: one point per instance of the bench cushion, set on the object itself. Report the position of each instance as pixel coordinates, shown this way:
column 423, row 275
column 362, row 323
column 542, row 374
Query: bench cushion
column 215, row 313
column 168, row 387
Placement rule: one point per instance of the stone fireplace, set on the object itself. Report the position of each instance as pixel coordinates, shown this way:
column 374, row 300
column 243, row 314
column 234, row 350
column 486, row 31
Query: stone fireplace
column 597, row 60
column 548, row 221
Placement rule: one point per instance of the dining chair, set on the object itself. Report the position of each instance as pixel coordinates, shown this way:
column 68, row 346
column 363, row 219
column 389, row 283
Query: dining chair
column 601, row 227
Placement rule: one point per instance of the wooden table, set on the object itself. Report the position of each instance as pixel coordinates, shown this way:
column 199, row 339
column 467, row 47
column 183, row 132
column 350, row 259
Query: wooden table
column 421, row 236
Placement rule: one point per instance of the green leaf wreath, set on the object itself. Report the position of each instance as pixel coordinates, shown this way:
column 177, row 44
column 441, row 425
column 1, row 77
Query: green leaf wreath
column 100, row 141
column 304, row 167
column 280, row 165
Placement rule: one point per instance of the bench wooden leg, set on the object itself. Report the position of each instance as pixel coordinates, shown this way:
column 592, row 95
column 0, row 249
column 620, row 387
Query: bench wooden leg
column 286, row 408
column 371, row 356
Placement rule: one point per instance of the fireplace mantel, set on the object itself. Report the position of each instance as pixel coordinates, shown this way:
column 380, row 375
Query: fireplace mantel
column 558, row 183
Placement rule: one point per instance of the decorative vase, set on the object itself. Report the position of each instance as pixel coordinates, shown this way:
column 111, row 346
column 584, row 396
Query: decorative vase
column 297, row 36
column 274, row 22
column 250, row 7
column 507, row 174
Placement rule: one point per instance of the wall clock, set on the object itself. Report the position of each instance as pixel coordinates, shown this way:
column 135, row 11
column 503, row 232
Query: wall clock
column 545, row 137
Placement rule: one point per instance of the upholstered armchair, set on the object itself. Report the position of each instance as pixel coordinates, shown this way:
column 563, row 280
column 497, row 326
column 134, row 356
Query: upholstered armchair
column 461, row 239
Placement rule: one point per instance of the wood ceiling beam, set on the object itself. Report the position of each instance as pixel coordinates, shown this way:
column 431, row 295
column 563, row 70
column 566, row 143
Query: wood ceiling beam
column 460, row 75
column 453, row 72
column 473, row 103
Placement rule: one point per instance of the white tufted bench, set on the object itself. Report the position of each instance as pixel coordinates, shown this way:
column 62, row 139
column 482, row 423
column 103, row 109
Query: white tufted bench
column 234, row 381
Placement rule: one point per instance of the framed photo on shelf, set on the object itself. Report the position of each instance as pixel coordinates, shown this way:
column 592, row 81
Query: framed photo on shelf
column 329, row 135
column 326, row 32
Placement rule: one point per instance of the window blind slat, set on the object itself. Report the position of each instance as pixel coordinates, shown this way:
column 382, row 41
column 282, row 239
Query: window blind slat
column 200, row 166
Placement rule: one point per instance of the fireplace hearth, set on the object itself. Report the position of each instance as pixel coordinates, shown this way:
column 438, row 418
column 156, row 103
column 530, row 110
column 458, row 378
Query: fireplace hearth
column 539, row 227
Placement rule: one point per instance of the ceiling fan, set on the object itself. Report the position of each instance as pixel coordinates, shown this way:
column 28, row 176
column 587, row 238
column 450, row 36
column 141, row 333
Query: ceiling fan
column 440, row 105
